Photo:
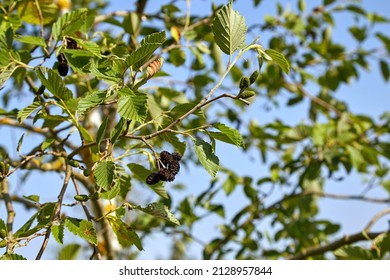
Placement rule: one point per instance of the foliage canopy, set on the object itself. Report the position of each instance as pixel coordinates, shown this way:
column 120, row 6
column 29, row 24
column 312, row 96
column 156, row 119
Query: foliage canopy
column 106, row 103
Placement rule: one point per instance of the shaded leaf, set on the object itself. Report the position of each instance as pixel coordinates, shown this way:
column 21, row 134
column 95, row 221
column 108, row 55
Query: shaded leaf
column 125, row 234
column 353, row 253
column 104, row 174
column 69, row 252
column 53, row 83
column 159, row 210
column 207, row 157
column 141, row 173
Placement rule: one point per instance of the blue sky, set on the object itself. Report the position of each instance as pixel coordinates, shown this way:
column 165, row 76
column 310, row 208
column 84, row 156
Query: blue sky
column 370, row 95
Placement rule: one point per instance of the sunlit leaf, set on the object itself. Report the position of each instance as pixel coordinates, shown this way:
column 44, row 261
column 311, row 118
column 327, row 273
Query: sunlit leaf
column 229, row 29
column 82, row 228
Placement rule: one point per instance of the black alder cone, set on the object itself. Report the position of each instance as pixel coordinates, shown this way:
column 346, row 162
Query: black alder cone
column 63, row 69
column 170, row 169
column 166, row 175
column 153, row 178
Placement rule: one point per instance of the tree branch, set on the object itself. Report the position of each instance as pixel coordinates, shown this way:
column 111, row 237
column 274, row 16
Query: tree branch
column 345, row 240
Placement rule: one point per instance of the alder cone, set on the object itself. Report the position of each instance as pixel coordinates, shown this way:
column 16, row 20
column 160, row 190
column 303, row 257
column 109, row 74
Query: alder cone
column 176, row 156
column 165, row 157
column 166, row 175
column 174, row 167
column 63, row 69
column 153, row 178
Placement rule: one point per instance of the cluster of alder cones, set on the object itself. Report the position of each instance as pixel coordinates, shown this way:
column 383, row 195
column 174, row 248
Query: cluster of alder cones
column 168, row 172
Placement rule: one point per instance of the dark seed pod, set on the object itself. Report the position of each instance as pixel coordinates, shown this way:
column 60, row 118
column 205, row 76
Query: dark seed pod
column 63, row 69
column 165, row 157
column 166, row 175
column 87, row 172
column 176, row 156
column 174, row 167
column 153, row 178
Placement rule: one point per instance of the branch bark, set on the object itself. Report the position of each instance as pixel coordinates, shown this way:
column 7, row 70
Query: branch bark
column 345, row 240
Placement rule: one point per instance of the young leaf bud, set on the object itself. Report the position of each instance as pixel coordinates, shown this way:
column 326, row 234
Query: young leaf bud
column 87, row 172
column 246, row 94
column 244, row 83
column 254, row 76
column 81, row 197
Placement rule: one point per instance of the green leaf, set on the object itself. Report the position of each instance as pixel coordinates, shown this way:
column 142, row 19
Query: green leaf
column 69, row 252
column 206, row 156
column 384, row 66
column 47, row 143
column 91, row 100
column 13, row 257
column 279, row 59
column 147, row 47
column 33, row 197
column 353, row 253
column 118, row 130
column 232, row 135
column 26, row 112
column 20, row 143
column 159, row 210
column 101, row 131
column 125, row 234
column 179, row 146
column 105, row 174
column 29, row 12
column 53, row 83
column 357, row 159
column 181, row 109
column 32, row 40
column 82, row 228
column 5, row 74
column 141, row 173
column 69, row 23
column 58, row 232
column 3, row 228
column 132, row 106
column 229, row 29
column 88, row 46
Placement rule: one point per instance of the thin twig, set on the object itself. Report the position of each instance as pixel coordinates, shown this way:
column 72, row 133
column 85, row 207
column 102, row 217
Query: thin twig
column 57, row 210
column 89, row 218
column 376, row 218
column 10, row 210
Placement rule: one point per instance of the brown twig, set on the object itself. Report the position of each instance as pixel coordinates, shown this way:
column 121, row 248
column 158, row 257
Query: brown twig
column 345, row 240
column 10, row 209
column 57, row 210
